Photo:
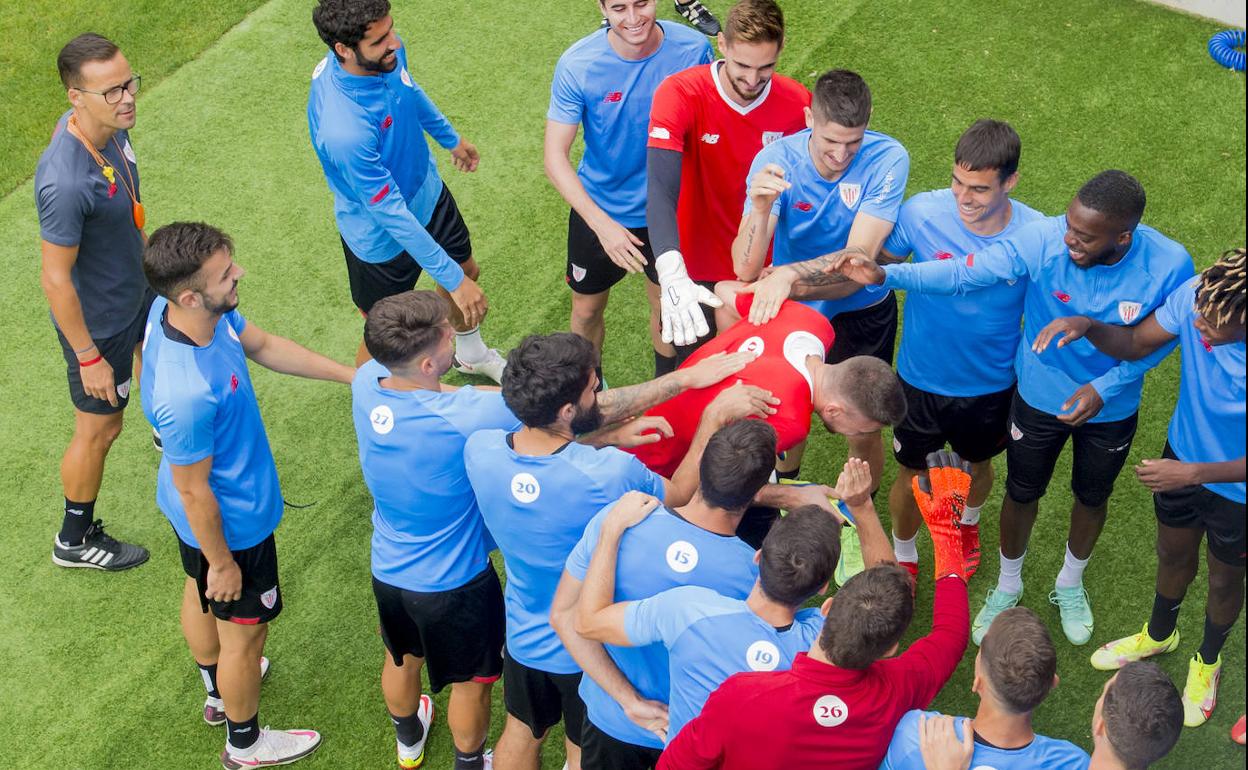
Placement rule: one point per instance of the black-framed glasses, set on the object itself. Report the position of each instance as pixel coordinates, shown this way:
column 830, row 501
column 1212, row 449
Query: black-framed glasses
column 113, row 95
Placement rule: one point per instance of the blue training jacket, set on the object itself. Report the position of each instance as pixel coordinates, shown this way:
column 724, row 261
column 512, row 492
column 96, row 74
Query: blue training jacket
column 1122, row 293
column 368, row 131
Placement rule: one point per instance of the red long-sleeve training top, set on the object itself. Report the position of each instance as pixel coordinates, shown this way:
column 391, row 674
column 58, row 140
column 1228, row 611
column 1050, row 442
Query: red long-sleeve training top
column 816, row 714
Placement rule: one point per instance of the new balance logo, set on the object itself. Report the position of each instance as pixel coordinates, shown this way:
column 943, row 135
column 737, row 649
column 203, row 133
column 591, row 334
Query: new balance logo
column 803, row 206
column 614, row 97
column 943, row 255
column 710, row 138
column 1062, row 296
column 75, row 511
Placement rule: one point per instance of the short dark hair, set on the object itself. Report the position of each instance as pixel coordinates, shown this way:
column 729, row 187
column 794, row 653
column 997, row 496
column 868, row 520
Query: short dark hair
column 872, row 388
column 1020, row 660
column 1115, row 194
column 402, row 326
column 87, row 47
column 989, row 144
column 345, row 21
column 1143, row 714
column 869, row 615
column 843, row 97
column 175, row 253
column 736, row 463
column 545, row 372
column 799, row 555
column 755, row 21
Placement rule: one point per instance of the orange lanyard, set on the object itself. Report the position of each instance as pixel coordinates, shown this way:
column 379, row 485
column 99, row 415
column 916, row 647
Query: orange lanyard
column 136, row 208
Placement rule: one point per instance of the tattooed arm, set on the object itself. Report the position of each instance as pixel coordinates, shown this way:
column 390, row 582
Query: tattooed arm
column 866, row 240
column 818, row 284
column 758, row 226
column 621, row 403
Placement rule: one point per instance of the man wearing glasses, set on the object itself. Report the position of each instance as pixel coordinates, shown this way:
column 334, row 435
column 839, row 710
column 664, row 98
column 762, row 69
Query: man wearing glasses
column 91, row 226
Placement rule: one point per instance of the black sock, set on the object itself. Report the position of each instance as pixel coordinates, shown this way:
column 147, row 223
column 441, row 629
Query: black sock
column 78, row 517
column 790, row 475
column 408, row 729
column 601, row 381
column 209, row 673
column 663, row 364
column 472, row 760
column 243, row 735
column 1215, row 637
column 1164, row 618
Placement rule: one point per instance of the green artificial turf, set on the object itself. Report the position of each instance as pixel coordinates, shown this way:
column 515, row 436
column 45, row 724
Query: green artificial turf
column 95, row 671
column 159, row 36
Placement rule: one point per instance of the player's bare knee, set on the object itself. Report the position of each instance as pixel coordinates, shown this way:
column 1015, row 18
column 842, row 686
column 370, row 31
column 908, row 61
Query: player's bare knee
column 1225, row 580
column 588, row 309
column 1180, row 563
column 99, row 431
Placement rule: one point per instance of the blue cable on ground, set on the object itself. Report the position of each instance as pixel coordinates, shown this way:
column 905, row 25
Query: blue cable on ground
column 1227, row 49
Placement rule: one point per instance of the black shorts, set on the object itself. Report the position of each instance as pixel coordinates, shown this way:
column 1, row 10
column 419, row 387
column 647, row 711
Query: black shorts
column 600, row 751
column 540, row 699
column 1196, row 507
column 373, row 281
column 589, row 269
column 262, row 595
column 459, row 632
column 871, row 331
column 976, row 427
column 755, row 524
column 1036, row 440
column 118, row 351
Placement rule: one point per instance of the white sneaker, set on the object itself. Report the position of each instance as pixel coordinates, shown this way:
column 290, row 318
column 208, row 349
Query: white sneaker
column 274, row 747
column 411, row 757
column 214, row 708
column 491, row 367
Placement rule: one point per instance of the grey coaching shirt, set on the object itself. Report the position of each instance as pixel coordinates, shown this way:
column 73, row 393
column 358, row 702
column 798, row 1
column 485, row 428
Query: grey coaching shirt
column 75, row 209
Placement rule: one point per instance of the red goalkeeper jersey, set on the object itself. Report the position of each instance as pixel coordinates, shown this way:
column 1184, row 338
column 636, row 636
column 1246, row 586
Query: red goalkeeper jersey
column 718, row 139
column 782, row 346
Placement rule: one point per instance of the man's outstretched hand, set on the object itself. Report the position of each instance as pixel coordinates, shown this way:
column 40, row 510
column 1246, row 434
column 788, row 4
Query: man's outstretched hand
column 941, row 496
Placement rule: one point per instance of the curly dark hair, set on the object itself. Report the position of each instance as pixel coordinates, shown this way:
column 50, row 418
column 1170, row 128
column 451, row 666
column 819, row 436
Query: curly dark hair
column 544, row 373
column 344, row 21
column 1220, row 295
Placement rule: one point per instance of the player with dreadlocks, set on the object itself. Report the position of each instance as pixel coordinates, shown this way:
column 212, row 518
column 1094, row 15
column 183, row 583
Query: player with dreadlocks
column 1198, row 485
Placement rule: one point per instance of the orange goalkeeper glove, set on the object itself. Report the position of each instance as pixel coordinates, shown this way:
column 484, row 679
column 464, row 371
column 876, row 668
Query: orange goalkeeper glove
column 941, row 496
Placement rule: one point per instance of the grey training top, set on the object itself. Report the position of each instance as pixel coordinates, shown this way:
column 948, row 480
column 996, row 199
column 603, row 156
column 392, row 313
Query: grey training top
column 75, row 209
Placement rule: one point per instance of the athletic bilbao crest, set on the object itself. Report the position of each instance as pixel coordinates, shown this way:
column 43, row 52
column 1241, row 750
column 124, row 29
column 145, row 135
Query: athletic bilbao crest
column 850, row 194
column 406, row 78
column 771, row 136
column 1129, row 311
column 578, row 273
column 269, row 598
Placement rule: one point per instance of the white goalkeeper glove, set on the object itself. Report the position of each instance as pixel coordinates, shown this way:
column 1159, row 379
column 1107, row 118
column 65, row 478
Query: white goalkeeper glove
column 682, row 319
